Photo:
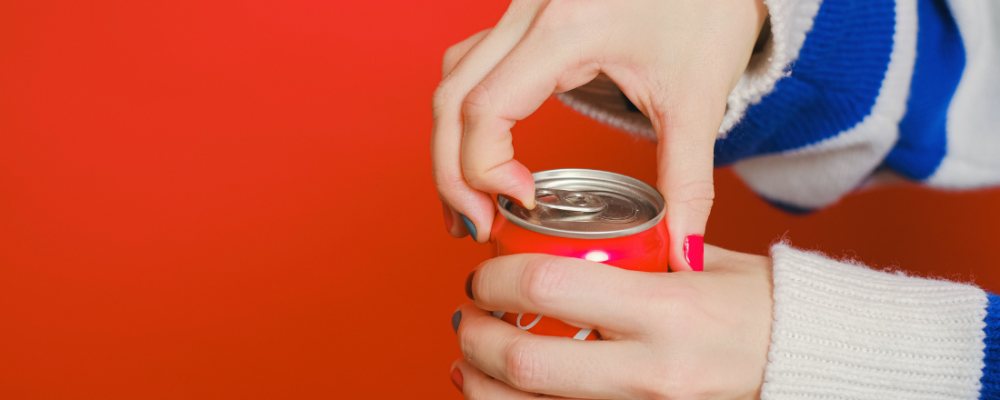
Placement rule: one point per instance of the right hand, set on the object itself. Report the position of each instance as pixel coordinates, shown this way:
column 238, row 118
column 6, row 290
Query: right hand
column 676, row 60
column 665, row 336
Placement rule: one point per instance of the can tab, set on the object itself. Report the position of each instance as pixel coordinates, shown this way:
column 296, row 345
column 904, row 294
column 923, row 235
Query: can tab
column 568, row 200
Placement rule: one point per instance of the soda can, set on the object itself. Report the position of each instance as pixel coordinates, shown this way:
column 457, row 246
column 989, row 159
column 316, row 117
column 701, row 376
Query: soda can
column 595, row 215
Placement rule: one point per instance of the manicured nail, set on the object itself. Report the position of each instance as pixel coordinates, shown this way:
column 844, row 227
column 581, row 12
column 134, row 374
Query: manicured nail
column 694, row 252
column 449, row 219
column 468, row 285
column 456, row 318
column 456, row 378
column 469, row 225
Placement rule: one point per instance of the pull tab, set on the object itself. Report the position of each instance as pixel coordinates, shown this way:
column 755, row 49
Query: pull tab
column 569, row 200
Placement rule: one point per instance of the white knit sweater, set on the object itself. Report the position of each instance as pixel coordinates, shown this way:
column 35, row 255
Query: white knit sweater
column 843, row 89
column 843, row 331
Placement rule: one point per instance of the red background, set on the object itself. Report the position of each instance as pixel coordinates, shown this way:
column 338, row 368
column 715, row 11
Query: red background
column 232, row 199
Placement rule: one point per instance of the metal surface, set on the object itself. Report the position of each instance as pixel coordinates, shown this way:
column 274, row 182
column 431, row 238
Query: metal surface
column 587, row 204
column 569, row 200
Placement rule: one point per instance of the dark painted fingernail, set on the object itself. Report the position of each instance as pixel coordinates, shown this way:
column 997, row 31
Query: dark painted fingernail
column 449, row 220
column 468, row 285
column 694, row 252
column 469, row 225
column 456, row 318
column 456, row 378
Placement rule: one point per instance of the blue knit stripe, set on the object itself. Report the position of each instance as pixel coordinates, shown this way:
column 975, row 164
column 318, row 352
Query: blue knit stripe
column 991, row 372
column 832, row 86
column 936, row 73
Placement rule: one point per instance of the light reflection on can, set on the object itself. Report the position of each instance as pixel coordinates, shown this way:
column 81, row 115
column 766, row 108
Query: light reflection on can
column 594, row 215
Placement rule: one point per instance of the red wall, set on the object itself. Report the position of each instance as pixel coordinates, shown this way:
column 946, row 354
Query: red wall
column 232, row 199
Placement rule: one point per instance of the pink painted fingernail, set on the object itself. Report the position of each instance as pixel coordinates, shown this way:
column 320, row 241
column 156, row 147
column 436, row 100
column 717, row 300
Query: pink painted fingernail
column 456, row 378
column 694, row 252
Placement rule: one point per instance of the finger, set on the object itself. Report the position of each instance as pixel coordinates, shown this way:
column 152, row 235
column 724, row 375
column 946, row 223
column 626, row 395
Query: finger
column 455, row 53
column 477, row 207
column 686, row 130
column 546, row 61
column 579, row 292
column 722, row 260
column 453, row 222
column 478, row 386
column 544, row 364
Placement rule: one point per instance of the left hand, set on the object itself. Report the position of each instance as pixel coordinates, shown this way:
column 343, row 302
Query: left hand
column 666, row 336
column 677, row 62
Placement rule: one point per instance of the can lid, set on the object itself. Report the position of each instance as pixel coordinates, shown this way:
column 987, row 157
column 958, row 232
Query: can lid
column 587, row 204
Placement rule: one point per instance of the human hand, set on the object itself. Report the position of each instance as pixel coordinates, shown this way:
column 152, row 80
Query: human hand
column 666, row 336
column 677, row 61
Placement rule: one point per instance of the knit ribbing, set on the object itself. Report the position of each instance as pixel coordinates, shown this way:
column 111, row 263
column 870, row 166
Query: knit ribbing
column 832, row 86
column 991, row 372
column 936, row 73
column 844, row 331
column 790, row 21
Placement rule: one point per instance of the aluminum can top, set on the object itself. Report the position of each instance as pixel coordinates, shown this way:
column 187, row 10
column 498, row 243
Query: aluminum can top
column 587, row 204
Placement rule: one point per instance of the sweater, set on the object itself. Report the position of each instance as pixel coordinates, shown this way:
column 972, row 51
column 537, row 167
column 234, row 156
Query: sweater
column 845, row 94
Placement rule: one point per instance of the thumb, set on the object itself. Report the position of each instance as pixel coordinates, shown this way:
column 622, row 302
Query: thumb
column 685, row 163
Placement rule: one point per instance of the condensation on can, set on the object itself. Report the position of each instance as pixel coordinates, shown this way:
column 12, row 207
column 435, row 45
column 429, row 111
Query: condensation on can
column 594, row 215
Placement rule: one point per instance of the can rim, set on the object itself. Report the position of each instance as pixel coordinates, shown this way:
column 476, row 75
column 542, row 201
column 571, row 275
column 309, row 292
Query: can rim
column 502, row 203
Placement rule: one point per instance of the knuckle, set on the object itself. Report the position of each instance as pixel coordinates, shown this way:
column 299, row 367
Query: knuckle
column 468, row 332
column 447, row 181
column 477, row 100
column 560, row 15
column 484, row 292
column 443, row 95
column 482, row 174
column 664, row 385
column 545, row 280
column 453, row 54
column 671, row 379
column 465, row 343
column 675, row 303
column 696, row 195
column 523, row 366
column 474, row 175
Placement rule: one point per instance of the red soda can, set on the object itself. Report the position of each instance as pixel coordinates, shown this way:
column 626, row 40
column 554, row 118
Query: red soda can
column 594, row 215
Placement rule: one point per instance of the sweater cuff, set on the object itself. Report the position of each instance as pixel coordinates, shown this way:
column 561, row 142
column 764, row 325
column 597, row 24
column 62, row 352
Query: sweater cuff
column 842, row 330
column 790, row 20
column 991, row 372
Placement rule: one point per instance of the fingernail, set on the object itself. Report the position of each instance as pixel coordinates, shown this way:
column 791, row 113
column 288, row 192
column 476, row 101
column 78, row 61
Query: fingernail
column 694, row 252
column 449, row 219
column 468, row 285
column 456, row 378
column 469, row 225
column 456, row 318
